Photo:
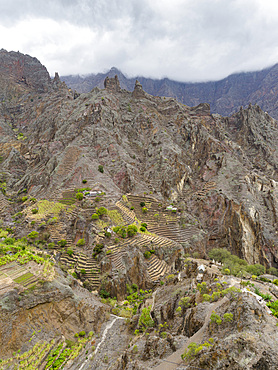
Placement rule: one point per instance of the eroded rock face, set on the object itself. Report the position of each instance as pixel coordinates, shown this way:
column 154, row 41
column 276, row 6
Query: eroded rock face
column 220, row 170
column 53, row 310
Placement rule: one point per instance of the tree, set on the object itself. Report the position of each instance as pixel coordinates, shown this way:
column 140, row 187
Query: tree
column 79, row 196
column 132, row 230
column 101, row 211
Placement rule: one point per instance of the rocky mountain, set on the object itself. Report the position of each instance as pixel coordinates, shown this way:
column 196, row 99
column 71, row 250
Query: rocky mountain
column 134, row 228
column 225, row 96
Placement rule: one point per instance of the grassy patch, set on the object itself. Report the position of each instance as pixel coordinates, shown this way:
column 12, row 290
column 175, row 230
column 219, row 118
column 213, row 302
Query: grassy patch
column 23, row 278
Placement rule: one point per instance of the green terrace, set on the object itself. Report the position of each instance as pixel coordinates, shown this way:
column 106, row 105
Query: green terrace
column 22, row 263
column 50, row 355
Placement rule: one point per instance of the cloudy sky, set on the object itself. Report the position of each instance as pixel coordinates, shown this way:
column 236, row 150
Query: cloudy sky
column 185, row 40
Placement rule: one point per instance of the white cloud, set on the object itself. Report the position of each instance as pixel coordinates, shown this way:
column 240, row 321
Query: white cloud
column 182, row 39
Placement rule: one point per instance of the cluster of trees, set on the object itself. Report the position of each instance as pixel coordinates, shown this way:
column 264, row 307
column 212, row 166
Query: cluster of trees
column 234, row 265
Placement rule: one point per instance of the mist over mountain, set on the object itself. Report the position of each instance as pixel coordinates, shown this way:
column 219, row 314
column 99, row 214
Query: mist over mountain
column 225, row 96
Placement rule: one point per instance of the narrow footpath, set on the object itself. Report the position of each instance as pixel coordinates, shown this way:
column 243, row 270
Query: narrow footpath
column 175, row 360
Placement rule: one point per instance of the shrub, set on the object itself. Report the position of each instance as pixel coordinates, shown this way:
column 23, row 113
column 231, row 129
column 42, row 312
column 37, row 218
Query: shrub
column 100, row 168
column 79, row 196
column 145, row 320
column 142, row 204
column 51, row 245
column 147, row 254
column 33, row 235
column 215, row 318
column 143, row 224
column 95, row 216
column 80, row 242
column 135, row 349
column 97, row 249
column 132, row 230
column 83, row 271
column 101, row 211
column 62, row 243
column 23, row 199
column 84, row 181
column 194, row 349
column 178, row 309
column 121, row 231
column 132, row 208
column 256, row 269
column 143, row 229
column 107, row 234
column 184, row 302
column 134, row 287
column 144, row 209
column 70, row 252
column 104, row 294
column 35, row 210
column 228, row 317
column 273, row 271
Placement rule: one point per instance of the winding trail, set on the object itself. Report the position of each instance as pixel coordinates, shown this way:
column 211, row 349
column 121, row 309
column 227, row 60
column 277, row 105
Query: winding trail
column 174, row 360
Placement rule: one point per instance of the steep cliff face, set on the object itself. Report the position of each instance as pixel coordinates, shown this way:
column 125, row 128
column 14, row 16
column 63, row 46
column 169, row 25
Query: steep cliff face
column 50, row 311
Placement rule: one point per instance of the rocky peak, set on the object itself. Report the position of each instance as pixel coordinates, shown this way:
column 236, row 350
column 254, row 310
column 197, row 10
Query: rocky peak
column 112, row 84
column 138, row 91
column 24, row 70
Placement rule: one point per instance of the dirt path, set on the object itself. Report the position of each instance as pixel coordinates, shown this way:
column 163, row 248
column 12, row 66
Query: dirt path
column 173, row 361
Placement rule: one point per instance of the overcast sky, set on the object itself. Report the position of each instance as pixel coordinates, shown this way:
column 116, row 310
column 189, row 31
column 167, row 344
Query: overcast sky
column 185, row 40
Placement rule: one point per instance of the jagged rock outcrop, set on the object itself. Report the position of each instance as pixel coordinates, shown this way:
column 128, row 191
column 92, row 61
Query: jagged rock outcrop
column 225, row 96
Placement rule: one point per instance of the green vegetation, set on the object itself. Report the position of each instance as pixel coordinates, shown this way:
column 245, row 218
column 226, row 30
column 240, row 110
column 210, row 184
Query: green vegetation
column 193, row 349
column 144, row 209
column 228, row 317
column 233, row 264
column 215, row 318
column 97, row 249
column 33, row 235
column 220, row 293
column 131, row 230
column 100, row 168
column 95, row 216
column 80, row 242
column 46, row 208
column 23, row 277
column 115, row 217
column 62, row 243
column 79, row 196
column 101, row 211
column 267, row 297
column 145, row 320
column 124, row 231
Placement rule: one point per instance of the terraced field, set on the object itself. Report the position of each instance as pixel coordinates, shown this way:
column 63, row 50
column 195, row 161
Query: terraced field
column 13, row 273
column 157, row 268
column 48, row 355
column 84, row 265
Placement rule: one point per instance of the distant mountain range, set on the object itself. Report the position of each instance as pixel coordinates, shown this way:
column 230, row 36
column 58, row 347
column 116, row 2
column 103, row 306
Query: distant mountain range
column 225, row 96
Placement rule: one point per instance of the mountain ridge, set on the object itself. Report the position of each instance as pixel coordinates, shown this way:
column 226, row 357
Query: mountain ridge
column 225, row 96
column 125, row 220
